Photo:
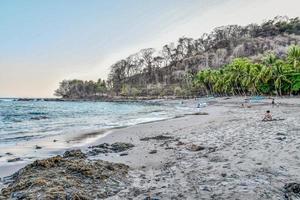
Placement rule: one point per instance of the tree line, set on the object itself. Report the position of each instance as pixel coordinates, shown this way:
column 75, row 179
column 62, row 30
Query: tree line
column 173, row 69
column 271, row 76
column 77, row 89
column 173, row 61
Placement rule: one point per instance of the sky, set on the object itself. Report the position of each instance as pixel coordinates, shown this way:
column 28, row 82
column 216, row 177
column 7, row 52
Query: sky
column 44, row 42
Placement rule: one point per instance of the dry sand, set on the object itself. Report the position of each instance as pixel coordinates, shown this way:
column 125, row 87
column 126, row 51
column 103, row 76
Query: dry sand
column 243, row 157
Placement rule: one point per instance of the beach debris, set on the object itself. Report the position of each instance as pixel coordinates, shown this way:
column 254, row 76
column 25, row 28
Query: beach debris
column 158, row 137
column 292, row 190
column 14, row 159
column 104, row 148
column 67, row 177
column 37, row 147
column 153, row 151
column 195, row 147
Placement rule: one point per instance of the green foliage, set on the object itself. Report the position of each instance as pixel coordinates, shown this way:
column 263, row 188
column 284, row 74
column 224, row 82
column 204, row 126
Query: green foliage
column 244, row 77
column 80, row 89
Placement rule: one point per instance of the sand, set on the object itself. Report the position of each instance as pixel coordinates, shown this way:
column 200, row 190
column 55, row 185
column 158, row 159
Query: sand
column 243, row 158
column 228, row 154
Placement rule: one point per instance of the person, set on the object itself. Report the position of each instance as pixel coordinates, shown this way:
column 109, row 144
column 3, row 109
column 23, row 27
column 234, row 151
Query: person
column 273, row 102
column 268, row 116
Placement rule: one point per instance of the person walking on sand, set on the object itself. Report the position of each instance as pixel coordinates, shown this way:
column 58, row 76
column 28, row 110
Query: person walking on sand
column 273, row 102
column 268, row 116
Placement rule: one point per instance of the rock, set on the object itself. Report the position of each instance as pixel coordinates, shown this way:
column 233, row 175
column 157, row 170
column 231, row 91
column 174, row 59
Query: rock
column 292, row 189
column 152, row 151
column 74, row 154
column 54, row 140
column 194, row 147
column 223, row 174
column 158, row 137
column 14, row 160
column 105, row 148
column 280, row 134
column 281, row 138
column 37, row 147
column 67, row 177
column 8, row 154
column 124, row 154
column 120, row 146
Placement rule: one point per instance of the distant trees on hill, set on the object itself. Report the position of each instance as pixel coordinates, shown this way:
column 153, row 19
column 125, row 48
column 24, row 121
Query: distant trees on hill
column 174, row 62
column 75, row 89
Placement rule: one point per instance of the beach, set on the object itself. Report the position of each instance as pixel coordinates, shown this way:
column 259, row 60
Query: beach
column 222, row 151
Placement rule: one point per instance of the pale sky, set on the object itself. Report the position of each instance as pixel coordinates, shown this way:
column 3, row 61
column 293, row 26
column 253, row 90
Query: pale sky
column 43, row 42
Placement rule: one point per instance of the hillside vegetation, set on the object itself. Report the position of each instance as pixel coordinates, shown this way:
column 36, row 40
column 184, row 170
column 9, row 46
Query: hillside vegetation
column 192, row 66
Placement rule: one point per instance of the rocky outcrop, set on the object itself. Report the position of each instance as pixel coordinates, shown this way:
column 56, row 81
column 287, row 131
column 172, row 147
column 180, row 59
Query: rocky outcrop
column 70, row 176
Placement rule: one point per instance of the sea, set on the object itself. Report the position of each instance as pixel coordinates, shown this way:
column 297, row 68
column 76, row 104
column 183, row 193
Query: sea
column 56, row 125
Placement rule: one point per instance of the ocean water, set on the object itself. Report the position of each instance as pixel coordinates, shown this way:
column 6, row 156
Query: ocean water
column 23, row 121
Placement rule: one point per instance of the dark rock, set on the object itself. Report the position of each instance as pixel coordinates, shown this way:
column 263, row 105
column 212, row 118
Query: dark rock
column 54, row 140
column 124, row 154
column 74, row 154
column 152, row 151
column 8, row 154
column 280, row 134
column 292, row 189
column 14, row 160
column 158, row 137
column 223, row 174
column 37, row 147
column 105, row 148
column 281, row 138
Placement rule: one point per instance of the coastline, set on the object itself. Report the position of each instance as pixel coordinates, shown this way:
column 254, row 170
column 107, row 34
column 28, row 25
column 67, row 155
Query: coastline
column 240, row 156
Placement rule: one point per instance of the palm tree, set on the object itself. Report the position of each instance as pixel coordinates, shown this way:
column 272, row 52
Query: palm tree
column 294, row 55
column 280, row 78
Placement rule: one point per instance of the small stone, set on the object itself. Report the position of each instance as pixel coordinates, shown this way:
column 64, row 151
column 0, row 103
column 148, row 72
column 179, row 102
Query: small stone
column 152, row 151
column 281, row 138
column 223, row 174
column 37, row 147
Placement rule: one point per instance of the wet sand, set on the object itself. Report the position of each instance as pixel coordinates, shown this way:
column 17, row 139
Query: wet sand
column 228, row 154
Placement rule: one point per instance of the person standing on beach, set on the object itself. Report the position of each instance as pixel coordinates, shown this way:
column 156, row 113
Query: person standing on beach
column 273, row 102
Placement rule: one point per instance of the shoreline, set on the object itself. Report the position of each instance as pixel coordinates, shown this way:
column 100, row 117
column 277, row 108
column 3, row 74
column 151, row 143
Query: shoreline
column 82, row 140
column 228, row 154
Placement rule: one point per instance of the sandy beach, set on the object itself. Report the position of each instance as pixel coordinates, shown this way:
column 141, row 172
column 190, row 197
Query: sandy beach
column 228, row 153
